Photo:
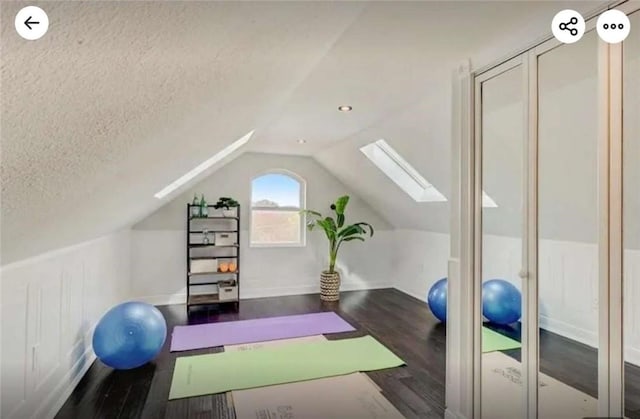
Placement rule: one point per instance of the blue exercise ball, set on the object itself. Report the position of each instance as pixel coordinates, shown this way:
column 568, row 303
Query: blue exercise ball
column 437, row 299
column 501, row 302
column 129, row 335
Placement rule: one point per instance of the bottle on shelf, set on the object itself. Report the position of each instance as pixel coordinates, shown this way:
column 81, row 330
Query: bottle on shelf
column 205, row 238
column 195, row 206
column 204, row 209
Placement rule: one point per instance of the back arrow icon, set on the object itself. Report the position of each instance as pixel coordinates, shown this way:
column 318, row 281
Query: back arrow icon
column 30, row 22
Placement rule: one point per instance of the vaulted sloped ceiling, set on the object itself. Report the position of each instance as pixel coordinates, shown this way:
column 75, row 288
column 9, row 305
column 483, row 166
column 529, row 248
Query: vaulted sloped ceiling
column 119, row 99
column 424, row 145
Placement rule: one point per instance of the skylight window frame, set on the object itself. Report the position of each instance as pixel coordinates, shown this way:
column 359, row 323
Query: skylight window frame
column 428, row 192
column 403, row 164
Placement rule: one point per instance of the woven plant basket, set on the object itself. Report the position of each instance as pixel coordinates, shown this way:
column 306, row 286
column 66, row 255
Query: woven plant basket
column 329, row 286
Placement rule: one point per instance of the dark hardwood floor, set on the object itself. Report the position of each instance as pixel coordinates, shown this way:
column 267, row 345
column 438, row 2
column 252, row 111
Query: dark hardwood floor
column 402, row 323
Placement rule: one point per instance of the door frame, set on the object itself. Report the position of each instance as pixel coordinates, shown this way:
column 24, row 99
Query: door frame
column 610, row 278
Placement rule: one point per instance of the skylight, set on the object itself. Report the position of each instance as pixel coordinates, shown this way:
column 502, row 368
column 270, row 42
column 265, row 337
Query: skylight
column 401, row 172
column 406, row 176
column 204, row 165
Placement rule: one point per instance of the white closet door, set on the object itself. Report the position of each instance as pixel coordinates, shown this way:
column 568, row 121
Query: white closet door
column 568, row 229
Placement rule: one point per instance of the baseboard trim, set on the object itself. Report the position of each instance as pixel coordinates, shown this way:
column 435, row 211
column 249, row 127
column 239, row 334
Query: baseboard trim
column 569, row 331
column 161, row 300
column 410, row 293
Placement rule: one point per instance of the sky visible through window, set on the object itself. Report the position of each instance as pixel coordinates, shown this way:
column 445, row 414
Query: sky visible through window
column 272, row 189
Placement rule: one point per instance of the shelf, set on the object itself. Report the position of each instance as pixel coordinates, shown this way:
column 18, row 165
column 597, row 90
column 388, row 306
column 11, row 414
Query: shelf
column 207, row 283
column 216, row 223
column 211, row 273
column 203, row 299
column 208, row 205
column 212, row 231
column 212, row 257
column 216, row 217
column 194, row 245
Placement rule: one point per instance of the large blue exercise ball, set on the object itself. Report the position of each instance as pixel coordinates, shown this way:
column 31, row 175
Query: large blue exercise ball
column 501, row 302
column 129, row 335
column 437, row 299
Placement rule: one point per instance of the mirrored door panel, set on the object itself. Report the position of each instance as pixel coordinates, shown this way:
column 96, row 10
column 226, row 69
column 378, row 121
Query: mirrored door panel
column 568, row 229
column 631, row 216
column 502, row 139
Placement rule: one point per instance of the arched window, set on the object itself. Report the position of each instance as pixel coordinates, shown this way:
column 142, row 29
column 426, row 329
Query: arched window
column 276, row 200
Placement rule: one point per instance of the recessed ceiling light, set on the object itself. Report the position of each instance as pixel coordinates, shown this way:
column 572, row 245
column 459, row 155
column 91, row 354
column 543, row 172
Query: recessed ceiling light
column 301, row 141
column 344, row 108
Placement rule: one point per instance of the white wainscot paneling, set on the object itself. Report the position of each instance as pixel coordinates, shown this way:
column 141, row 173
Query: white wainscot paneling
column 568, row 286
column 49, row 307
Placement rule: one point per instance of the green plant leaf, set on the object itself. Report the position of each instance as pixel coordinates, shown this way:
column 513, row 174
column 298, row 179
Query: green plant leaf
column 367, row 225
column 348, row 239
column 341, row 204
column 335, row 229
column 351, row 230
column 332, row 224
column 326, row 226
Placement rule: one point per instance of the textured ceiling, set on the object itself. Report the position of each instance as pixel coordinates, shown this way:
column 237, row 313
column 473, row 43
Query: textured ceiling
column 120, row 98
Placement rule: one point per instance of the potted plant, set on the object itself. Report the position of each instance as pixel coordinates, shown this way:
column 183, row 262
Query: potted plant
column 337, row 233
column 225, row 204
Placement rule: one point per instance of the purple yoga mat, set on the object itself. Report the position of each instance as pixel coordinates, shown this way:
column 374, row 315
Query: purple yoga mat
column 208, row 335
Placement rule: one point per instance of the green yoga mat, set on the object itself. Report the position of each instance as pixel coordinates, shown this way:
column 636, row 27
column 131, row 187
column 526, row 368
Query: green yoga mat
column 216, row 373
column 494, row 341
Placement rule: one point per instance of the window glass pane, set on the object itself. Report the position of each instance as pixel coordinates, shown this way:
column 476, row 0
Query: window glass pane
column 275, row 190
column 275, row 227
column 568, row 229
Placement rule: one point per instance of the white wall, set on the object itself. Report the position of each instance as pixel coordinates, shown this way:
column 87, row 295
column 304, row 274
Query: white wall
column 420, row 260
column 158, row 243
column 50, row 304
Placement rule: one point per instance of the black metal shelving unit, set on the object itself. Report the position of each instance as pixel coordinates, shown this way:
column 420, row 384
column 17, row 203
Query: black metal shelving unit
column 232, row 252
